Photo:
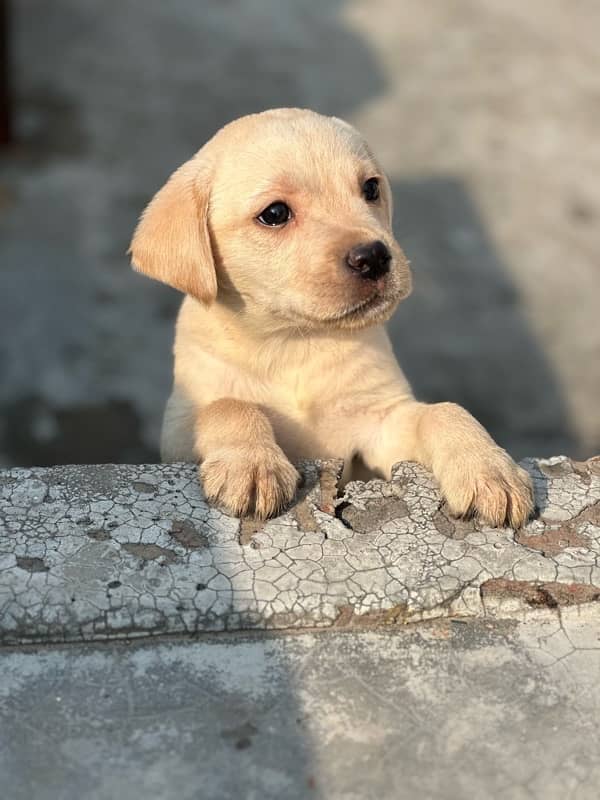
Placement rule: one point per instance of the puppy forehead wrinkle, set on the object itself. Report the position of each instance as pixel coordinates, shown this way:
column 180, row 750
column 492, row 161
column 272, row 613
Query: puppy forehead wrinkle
column 261, row 179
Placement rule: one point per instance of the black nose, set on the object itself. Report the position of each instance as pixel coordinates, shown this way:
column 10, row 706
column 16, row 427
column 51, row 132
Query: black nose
column 371, row 261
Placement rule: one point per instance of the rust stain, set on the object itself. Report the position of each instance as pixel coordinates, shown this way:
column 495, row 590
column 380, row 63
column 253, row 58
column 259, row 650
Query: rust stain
column 143, row 486
column 553, row 541
column 32, row 564
column 98, row 534
column 348, row 618
column 303, row 514
column 453, row 527
column 593, row 464
column 303, row 511
column 444, row 525
column 590, row 513
column 376, row 514
column 185, row 532
column 289, row 619
column 550, row 595
column 328, row 484
column 248, row 527
column 149, row 552
column 583, row 469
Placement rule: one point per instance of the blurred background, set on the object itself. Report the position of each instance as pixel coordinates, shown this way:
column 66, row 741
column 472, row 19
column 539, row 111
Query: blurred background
column 485, row 114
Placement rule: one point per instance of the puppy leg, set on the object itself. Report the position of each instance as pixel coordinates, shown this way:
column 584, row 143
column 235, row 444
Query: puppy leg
column 474, row 473
column 177, row 435
column 242, row 468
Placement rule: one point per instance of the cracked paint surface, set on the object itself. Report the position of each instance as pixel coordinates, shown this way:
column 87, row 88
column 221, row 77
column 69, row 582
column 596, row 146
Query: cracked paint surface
column 91, row 552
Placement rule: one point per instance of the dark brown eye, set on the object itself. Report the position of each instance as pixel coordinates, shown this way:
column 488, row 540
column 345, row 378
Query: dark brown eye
column 371, row 190
column 275, row 215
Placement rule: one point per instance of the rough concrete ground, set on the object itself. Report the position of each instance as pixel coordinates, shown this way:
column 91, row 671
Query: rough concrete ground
column 493, row 694
column 445, row 711
column 485, row 115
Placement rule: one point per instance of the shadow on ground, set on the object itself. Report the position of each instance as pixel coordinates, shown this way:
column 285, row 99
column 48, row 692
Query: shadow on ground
column 462, row 335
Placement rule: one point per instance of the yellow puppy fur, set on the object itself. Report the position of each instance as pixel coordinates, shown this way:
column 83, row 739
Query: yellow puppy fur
column 281, row 352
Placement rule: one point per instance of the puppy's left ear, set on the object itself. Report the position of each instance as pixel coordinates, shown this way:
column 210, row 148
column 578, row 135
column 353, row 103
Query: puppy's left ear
column 171, row 242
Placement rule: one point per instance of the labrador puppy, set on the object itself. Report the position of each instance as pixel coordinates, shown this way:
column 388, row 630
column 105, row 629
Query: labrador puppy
column 279, row 232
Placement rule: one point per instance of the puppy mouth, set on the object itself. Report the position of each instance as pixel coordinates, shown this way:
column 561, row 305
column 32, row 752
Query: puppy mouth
column 358, row 309
column 378, row 305
column 369, row 310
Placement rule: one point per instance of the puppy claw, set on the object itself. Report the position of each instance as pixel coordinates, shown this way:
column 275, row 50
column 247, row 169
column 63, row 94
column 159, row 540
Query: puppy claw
column 493, row 488
column 242, row 481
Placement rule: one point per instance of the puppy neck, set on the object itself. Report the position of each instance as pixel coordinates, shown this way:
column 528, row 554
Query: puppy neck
column 265, row 344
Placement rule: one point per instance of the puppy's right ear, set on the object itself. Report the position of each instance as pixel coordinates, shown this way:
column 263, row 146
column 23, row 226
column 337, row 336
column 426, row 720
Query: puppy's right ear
column 171, row 242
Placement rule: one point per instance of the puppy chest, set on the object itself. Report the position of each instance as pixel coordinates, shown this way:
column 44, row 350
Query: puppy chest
column 309, row 428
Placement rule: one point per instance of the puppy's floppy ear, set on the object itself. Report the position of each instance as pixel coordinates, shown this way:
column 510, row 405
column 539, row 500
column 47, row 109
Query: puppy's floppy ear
column 171, row 242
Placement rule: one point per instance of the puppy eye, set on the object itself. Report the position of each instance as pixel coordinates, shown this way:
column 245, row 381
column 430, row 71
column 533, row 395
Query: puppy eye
column 275, row 215
column 370, row 190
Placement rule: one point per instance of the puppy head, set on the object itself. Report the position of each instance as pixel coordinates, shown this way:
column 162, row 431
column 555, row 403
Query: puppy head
column 286, row 216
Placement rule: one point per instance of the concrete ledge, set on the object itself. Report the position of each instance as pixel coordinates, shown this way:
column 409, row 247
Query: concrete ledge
column 99, row 552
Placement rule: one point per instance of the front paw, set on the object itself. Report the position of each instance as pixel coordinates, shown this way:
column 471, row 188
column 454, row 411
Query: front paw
column 242, row 481
column 489, row 485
